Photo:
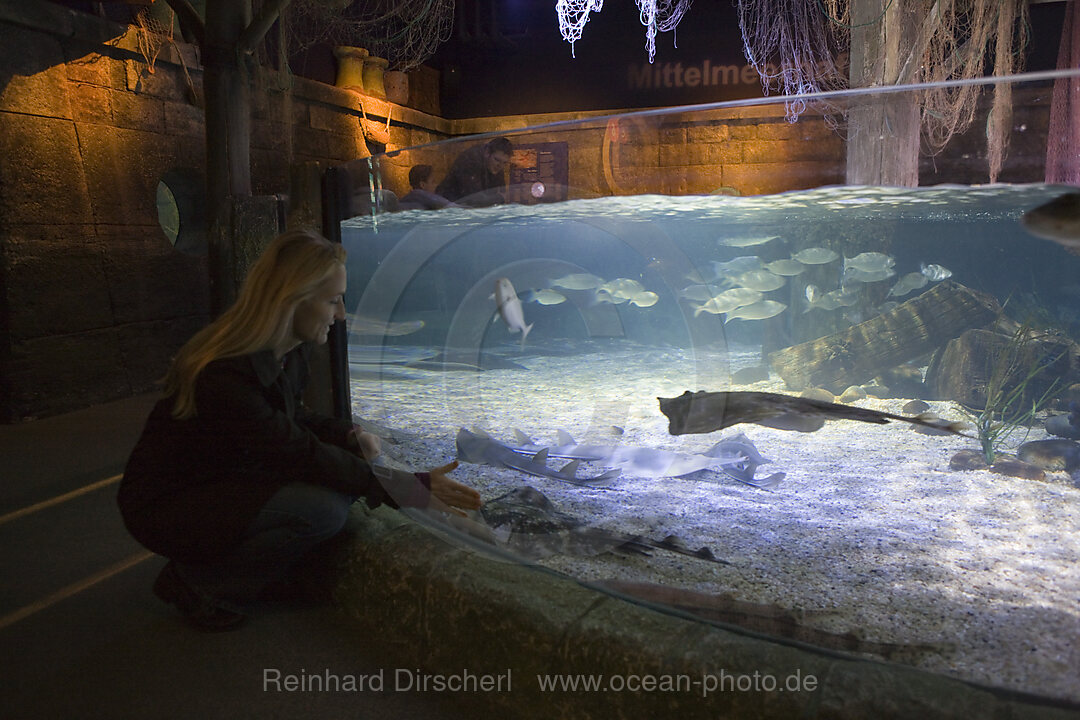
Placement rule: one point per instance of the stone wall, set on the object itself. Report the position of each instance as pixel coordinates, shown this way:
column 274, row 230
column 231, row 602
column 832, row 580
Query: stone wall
column 94, row 299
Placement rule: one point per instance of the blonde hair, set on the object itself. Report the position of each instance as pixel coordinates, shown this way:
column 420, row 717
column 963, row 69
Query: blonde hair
column 289, row 271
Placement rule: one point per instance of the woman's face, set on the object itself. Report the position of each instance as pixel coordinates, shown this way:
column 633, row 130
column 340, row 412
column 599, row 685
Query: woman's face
column 314, row 316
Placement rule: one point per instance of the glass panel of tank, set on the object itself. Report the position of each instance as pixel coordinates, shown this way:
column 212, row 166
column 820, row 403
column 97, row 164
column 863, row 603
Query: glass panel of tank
column 689, row 361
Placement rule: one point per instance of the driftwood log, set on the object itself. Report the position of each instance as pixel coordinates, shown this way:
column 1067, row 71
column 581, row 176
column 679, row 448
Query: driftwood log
column 864, row 351
column 962, row 371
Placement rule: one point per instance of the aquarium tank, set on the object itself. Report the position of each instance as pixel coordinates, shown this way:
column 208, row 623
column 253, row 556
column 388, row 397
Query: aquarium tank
column 785, row 364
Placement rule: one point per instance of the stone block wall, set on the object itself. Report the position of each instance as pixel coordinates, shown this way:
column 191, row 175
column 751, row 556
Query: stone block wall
column 94, row 299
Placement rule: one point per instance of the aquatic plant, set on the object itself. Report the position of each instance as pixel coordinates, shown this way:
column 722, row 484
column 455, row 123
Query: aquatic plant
column 1008, row 407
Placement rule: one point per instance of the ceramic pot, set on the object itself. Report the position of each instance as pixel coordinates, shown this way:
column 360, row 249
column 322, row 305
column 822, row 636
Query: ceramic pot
column 374, row 67
column 396, row 84
column 350, row 67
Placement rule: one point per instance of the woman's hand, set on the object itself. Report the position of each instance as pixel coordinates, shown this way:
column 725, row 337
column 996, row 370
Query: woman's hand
column 457, row 496
column 367, row 444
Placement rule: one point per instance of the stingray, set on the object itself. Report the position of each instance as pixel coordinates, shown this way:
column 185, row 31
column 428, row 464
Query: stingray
column 527, row 523
column 735, row 457
column 704, row 412
column 479, row 447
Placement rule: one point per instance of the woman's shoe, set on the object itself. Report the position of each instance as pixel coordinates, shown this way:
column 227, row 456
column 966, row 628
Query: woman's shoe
column 198, row 610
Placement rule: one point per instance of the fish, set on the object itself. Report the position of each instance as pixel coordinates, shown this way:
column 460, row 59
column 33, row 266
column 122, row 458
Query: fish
column 603, row 296
column 478, row 447
column 909, row 283
column 728, row 301
column 1057, row 220
column 741, row 264
column 621, row 288
column 645, row 299
column 935, row 272
column 757, row 311
column 855, row 275
column 578, row 281
column 526, row 522
column 815, row 256
column 638, row 461
column 700, row 293
column 546, row 296
column 760, row 280
column 705, row 412
column 786, row 267
column 714, row 306
column 358, row 325
column 842, row 298
column 741, row 242
column 509, row 306
column 869, row 262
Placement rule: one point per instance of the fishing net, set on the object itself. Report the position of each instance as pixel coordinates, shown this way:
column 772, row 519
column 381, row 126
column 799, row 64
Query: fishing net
column 405, row 32
column 955, row 49
column 796, row 47
column 1063, row 139
column 151, row 35
column 793, row 46
column 656, row 16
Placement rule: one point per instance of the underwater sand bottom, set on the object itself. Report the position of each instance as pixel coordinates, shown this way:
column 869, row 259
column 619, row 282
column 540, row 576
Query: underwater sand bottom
column 976, row 575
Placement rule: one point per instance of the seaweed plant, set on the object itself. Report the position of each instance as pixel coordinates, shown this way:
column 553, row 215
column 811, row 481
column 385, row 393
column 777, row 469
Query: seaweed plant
column 1007, row 407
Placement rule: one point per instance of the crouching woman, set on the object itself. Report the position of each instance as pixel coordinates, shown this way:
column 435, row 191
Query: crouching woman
column 233, row 479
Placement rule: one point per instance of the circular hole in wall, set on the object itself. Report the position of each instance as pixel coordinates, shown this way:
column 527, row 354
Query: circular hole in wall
column 180, row 194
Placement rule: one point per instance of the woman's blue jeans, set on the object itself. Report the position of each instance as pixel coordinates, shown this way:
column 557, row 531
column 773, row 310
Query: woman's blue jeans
column 296, row 519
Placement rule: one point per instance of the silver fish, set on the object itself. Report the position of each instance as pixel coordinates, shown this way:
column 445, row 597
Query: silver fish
column 869, row 262
column 760, row 280
column 506, row 300
column 786, row 267
column 935, row 272
column 1057, row 220
column 741, row 242
column 700, row 293
column 728, row 300
column 855, row 275
column 645, row 299
column 621, row 288
column 546, row 296
column 741, row 264
column 578, row 281
column 909, row 283
column 757, row 311
column 815, row 256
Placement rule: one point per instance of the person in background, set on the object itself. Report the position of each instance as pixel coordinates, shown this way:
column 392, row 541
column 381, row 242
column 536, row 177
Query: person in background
column 232, row 478
column 478, row 174
column 423, row 195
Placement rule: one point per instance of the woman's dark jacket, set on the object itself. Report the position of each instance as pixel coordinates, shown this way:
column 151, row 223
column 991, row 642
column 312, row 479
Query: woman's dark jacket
column 191, row 487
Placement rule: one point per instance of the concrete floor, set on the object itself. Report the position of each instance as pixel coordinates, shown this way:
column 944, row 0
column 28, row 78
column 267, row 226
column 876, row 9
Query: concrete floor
column 81, row 634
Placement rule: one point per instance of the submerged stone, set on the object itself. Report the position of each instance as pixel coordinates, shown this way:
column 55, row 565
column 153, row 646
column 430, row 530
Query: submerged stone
column 968, row 460
column 1053, row 455
column 1015, row 467
column 1059, row 425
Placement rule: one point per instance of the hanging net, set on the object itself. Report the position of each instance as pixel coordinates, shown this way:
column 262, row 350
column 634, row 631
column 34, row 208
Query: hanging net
column 656, row 16
column 405, row 32
column 1063, row 138
column 793, row 46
